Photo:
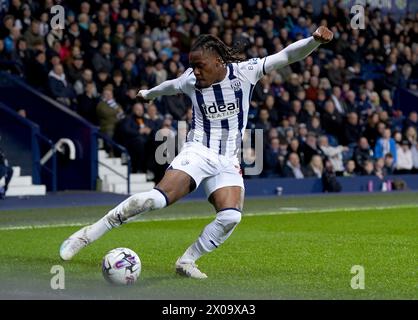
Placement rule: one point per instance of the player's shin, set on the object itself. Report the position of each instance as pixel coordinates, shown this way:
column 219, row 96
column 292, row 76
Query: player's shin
column 137, row 204
column 214, row 234
column 134, row 205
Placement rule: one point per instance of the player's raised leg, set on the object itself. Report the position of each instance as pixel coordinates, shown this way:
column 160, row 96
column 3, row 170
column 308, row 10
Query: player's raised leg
column 174, row 185
column 228, row 202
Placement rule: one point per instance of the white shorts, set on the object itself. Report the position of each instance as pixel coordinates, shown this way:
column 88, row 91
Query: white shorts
column 213, row 170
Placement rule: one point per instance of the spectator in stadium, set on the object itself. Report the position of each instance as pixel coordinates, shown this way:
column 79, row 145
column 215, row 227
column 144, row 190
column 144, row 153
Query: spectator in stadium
column 387, row 102
column 414, row 151
column 53, row 36
column 331, row 120
column 108, row 112
column 156, row 120
column 33, row 36
column 398, row 137
column 315, row 167
column 308, row 112
column 384, row 145
column 374, row 101
column 59, row 86
column 177, row 106
column 293, row 124
column 293, row 168
column 334, row 154
column 314, row 126
column 263, row 121
column 271, row 159
column 364, row 105
column 75, row 69
column 350, row 169
column 6, row 174
column 371, row 131
column 10, row 41
column 351, row 102
column 283, row 154
column 103, row 61
column 405, row 80
column 313, row 89
column 120, row 87
column 404, row 162
column 283, row 104
column 352, row 129
column 363, row 152
column 329, row 179
column 274, row 116
column 388, row 169
column 368, row 168
column 8, row 24
column 296, row 109
column 87, row 102
column 339, row 103
column 390, row 77
column 411, row 135
column 302, row 132
column 80, row 84
column 289, row 134
column 294, row 146
column 134, row 132
column 37, row 71
column 299, row 29
column 129, row 73
column 384, row 117
column 412, row 120
column 21, row 56
column 4, row 57
column 102, row 80
column 310, row 148
column 160, row 72
column 335, row 74
column 293, row 85
column 379, row 168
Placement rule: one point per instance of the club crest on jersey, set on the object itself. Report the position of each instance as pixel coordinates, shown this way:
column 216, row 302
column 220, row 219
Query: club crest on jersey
column 236, row 85
column 185, row 162
column 220, row 111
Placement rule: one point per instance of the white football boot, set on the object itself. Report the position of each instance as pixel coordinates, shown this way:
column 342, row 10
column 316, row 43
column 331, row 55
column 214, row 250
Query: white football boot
column 74, row 244
column 189, row 269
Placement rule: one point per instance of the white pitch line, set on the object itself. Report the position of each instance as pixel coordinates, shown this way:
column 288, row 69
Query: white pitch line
column 274, row 213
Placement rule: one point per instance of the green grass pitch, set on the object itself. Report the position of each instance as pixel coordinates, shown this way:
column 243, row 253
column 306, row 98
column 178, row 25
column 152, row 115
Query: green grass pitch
column 284, row 248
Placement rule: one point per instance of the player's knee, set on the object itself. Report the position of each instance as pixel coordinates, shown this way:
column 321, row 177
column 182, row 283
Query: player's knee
column 229, row 218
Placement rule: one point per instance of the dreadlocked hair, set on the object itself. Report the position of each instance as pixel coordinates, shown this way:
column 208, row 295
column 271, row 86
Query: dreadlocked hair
column 227, row 54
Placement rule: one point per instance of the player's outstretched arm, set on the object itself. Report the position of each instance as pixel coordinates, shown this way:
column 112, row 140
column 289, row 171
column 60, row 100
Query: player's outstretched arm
column 166, row 88
column 298, row 50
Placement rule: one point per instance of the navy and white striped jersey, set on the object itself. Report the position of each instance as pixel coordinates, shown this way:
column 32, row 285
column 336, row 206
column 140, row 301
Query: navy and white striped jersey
column 220, row 112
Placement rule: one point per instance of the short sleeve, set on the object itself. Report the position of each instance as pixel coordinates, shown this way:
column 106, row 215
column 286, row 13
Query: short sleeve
column 253, row 69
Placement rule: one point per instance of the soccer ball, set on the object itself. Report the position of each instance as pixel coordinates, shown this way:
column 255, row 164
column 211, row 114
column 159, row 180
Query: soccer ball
column 121, row 266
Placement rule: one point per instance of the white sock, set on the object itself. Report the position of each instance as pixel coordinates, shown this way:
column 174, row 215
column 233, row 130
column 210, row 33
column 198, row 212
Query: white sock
column 136, row 204
column 124, row 211
column 194, row 252
column 96, row 230
column 214, row 234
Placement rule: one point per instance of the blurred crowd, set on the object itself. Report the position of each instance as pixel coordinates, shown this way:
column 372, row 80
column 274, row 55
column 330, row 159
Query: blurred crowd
column 335, row 109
